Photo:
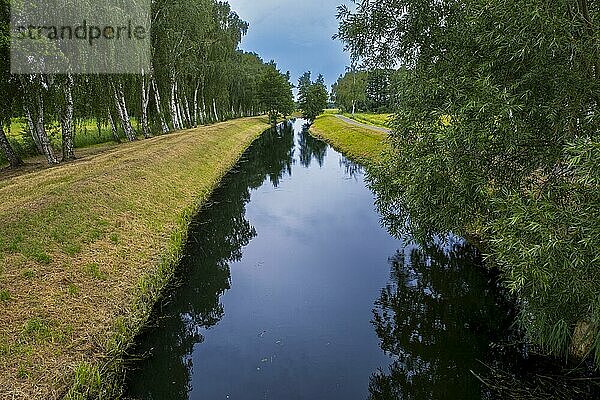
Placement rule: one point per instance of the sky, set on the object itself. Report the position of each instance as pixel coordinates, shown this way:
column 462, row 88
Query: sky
column 296, row 34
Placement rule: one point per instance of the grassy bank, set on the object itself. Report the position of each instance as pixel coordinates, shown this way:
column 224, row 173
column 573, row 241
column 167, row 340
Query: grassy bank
column 380, row 120
column 359, row 143
column 85, row 249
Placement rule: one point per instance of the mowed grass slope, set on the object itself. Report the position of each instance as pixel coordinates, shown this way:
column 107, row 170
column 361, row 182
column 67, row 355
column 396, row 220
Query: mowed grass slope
column 358, row 143
column 85, row 249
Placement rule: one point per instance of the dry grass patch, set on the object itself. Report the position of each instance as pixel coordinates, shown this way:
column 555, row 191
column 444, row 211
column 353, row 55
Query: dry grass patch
column 86, row 247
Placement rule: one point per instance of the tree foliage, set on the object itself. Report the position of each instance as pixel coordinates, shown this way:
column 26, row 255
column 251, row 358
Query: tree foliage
column 349, row 92
column 312, row 96
column 197, row 76
column 497, row 133
column 275, row 91
column 370, row 90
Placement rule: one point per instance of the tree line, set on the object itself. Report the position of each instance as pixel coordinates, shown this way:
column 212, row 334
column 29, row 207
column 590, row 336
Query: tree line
column 496, row 135
column 366, row 90
column 197, row 76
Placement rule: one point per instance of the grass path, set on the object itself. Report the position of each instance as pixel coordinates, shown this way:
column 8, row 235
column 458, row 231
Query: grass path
column 359, row 142
column 85, row 249
column 357, row 123
column 371, row 119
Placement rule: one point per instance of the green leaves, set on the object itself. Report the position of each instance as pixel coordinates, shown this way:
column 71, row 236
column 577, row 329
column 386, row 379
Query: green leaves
column 312, row 96
column 275, row 93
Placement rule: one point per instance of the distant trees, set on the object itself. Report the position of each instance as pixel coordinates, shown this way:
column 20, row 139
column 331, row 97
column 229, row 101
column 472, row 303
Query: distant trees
column 312, row 96
column 367, row 90
column 496, row 133
column 275, row 93
column 197, row 76
column 349, row 93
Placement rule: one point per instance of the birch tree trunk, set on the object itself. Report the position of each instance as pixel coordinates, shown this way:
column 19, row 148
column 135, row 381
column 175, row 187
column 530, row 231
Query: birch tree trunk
column 163, row 123
column 215, row 110
column 145, row 101
column 113, row 127
column 204, row 115
column 67, row 121
column 196, row 104
column 180, row 113
column 174, row 113
column 186, row 107
column 121, row 107
column 32, row 129
column 13, row 159
column 41, row 132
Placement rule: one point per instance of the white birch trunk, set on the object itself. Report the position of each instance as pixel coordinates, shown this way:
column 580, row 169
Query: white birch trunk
column 163, row 123
column 32, row 129
column 174, row 115
column 122, row 111
column 145, row 101
column 41, row 132
column 68, row 144
column 186, row 107
column 196, row 104
column 113, row 127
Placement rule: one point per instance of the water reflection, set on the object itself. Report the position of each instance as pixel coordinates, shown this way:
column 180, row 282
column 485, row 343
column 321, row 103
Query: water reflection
column 311, row 148
column 214, row 242
column 351, row 169
column 300, row 321
column 436, row 319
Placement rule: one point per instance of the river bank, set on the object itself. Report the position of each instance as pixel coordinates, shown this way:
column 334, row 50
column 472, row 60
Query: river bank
column 86, row 248
column 359, row 143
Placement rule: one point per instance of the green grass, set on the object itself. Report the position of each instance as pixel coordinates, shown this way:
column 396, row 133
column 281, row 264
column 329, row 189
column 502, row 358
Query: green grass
column 87, row 248
column 380, row 120
column 86, row 135
column 360, row 144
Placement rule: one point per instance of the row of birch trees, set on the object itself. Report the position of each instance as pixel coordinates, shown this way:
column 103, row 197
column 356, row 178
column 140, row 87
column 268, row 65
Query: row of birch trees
column 197, row 76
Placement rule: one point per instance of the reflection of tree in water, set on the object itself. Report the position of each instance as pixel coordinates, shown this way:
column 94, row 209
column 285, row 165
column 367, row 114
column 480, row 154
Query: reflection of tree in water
column 351, row 169
column 311, row 148
column 436, row 319
column 215, row 240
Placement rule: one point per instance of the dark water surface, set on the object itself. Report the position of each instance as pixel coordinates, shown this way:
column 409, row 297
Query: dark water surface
column 291, row 289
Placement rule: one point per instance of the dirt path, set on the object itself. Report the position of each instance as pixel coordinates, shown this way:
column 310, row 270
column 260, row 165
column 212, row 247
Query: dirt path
column 353, row 122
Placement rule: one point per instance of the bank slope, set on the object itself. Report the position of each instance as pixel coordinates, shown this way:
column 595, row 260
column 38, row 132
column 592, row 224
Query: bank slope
column 85, row 249
column 359, row 143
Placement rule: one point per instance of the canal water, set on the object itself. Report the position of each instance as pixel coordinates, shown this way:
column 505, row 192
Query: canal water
column 291, row 289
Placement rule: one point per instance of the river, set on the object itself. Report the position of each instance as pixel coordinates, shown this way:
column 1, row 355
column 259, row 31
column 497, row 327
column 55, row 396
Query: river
column 291, row 289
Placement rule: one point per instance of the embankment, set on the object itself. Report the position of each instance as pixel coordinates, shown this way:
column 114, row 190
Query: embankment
column 361, row 144
column 86, row 248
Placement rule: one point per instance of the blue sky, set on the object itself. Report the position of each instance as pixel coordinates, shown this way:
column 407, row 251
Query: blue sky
column 296, row 34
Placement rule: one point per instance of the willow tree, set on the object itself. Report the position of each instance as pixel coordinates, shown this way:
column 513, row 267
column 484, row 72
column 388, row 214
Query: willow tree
column 496, row 134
